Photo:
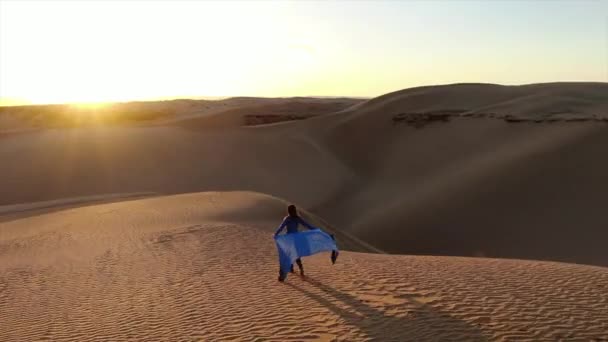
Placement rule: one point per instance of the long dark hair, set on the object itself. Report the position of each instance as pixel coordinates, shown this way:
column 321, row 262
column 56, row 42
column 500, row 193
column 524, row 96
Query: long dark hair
column 292, row 211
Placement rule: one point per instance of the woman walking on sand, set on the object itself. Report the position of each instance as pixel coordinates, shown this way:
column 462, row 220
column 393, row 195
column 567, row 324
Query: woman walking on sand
column 292, row 221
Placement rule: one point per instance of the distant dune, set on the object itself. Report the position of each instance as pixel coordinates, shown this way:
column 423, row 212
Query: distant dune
column 231, row 110
column 203, row 267
column 282, row 110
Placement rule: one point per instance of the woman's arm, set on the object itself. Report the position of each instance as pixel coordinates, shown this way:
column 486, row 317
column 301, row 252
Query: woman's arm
column 281, row 227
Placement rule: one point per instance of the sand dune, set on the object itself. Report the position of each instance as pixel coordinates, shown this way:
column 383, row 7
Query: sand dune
column 535, row 101
column 476, row 184
column 213, row 113
column 263, row 113
column 459, row 170
column 203, row 267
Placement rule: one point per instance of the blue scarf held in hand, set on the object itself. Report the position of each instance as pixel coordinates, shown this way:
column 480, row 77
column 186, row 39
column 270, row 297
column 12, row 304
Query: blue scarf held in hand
column 296, row 245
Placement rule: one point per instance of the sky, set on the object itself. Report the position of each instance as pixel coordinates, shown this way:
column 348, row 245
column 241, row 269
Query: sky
column 99, row 51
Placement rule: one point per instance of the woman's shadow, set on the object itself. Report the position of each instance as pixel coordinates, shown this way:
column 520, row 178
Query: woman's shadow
column 422, row 322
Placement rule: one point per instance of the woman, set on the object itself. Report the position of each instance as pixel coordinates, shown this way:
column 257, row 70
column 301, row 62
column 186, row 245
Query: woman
column 291, row 221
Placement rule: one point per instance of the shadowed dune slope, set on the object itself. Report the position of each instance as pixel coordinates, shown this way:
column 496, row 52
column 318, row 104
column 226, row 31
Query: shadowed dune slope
column 203, row 266
column 472, row 185
column 475, row 185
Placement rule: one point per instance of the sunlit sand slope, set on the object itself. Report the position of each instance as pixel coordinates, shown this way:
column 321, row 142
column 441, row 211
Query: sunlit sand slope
column 204, row 267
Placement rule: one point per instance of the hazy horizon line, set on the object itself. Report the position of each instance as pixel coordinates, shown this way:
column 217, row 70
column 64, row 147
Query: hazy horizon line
column 23, row 103
column 177, row 98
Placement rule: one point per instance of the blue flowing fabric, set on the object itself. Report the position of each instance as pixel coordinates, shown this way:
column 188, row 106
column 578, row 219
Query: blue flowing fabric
column 295, row 245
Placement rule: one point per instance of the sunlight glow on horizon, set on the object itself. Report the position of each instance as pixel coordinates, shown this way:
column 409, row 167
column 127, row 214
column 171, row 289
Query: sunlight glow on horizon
column 110, row 51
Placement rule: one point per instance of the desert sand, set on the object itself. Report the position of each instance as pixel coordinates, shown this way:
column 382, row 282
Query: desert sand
column 203, row 266
column 465, row 212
